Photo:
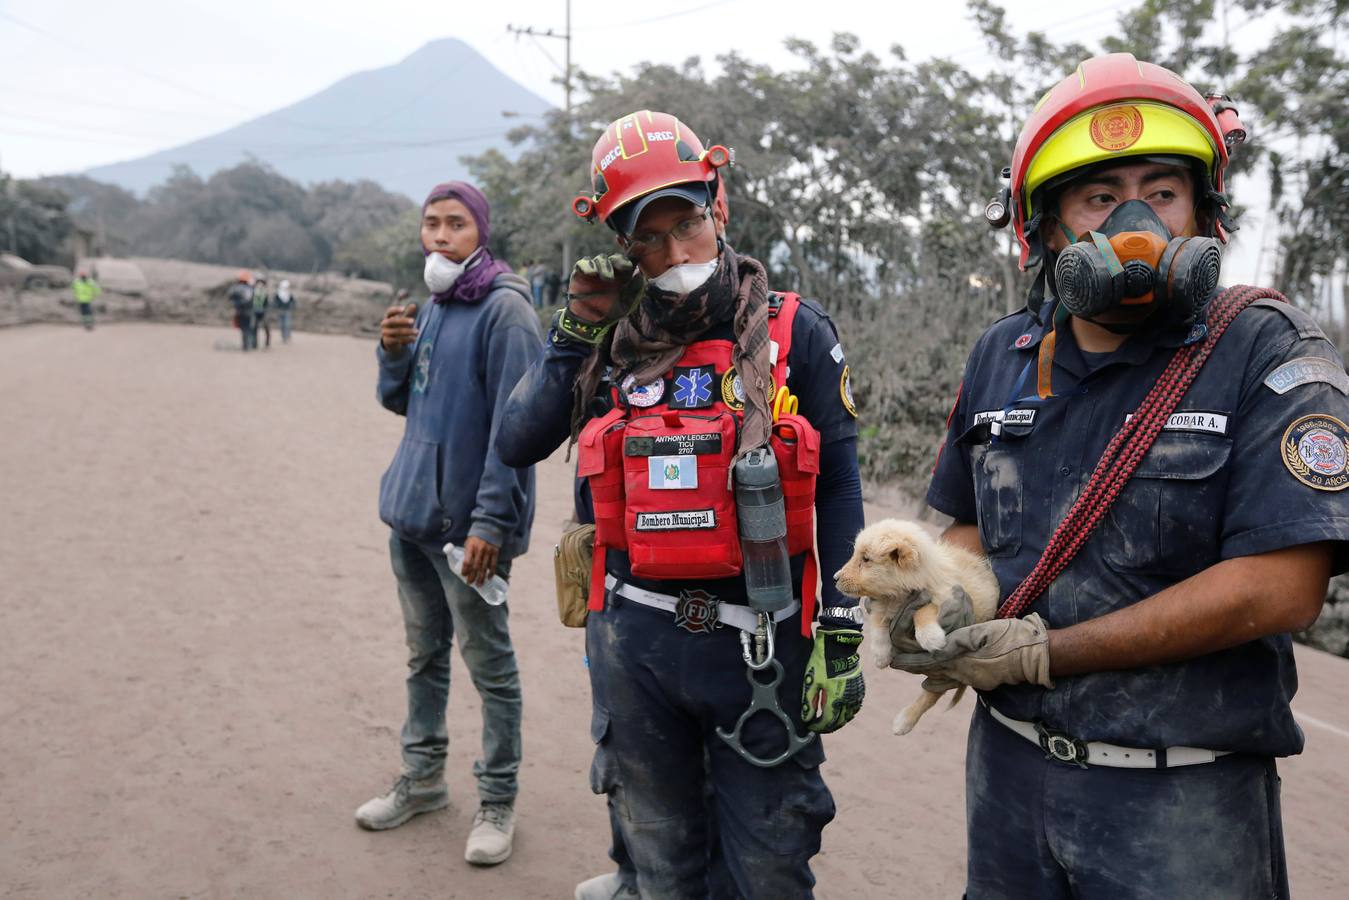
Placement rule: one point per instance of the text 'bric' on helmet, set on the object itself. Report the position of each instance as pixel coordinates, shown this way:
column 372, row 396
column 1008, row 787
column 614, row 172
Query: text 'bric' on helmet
column 642, row 157
column 1112, row 109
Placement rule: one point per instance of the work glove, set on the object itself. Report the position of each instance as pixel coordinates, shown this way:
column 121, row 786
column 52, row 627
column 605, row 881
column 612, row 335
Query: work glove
column 602, row 290
column 833, row 688
column 955, row 614
column 986, row 655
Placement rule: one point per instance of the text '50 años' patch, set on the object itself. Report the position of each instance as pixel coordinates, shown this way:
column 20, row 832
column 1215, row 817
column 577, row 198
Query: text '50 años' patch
column 1315, row 449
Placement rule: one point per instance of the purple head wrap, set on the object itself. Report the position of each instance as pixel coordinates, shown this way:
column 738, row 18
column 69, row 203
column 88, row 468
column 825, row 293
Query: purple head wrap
column 476, row 282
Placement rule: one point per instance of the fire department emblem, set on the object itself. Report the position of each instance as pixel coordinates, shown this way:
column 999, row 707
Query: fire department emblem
column 1023, row 341
column 733, row 390
column 1315, row 450
column 644, row 396
column 1116, row 128
column 845, row 392
column 696, row 611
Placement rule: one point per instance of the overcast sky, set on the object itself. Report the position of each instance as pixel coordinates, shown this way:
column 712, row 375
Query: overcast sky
column 83, row 84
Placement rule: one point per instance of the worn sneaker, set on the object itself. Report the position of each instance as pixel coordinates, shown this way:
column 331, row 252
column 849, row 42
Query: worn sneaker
column 407, row 798
column 493, row 832
column 606, row 887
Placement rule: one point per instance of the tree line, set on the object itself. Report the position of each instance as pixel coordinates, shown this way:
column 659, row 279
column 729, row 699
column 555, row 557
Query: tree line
column 860, row 180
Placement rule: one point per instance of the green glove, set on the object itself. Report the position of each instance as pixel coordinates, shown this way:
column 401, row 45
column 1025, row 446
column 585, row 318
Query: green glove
column 833, row 689
column 601, row 291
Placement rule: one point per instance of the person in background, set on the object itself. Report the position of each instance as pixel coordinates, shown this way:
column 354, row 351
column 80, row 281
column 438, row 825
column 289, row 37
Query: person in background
column 241, row 298
column 85, row 290
column 285, row 305
column 261, row 300
column 538, row 277
column 449, row 369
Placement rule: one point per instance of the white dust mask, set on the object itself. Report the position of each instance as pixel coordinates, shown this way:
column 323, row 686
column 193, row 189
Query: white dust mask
column 441, row 272
column 685, row 278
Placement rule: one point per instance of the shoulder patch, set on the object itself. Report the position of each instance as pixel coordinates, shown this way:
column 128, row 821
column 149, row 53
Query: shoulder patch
column 1315, row 450
column 845, row 391
column 1306, row 370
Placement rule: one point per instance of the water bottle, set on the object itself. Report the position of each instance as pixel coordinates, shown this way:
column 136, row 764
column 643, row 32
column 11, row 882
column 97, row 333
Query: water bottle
column 493, row 590
column 763, row 531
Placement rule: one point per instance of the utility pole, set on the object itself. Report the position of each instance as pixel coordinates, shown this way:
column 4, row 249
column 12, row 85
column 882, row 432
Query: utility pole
column 565, row 37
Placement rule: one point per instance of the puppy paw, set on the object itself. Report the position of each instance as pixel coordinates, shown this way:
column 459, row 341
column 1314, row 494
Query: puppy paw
column 880, row 656
column 904, row 722
column 930, row 637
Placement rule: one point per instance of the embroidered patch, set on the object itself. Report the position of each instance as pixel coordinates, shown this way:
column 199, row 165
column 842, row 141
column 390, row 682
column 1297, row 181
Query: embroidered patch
column 644, row 396
column 845, row 391
column 678, row 520
column 1305, row 370
column 1116, row 128
column 733, row 389
column 1315, row 451
column 1023, row 417
column 696, row 611
column 1194, row 420
column 692, row 387
column 836, row 353
column 671, row 473
column 988, row 415
column 673, row 445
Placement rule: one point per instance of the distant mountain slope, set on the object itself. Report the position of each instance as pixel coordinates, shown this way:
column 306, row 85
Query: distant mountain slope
column 404, row 126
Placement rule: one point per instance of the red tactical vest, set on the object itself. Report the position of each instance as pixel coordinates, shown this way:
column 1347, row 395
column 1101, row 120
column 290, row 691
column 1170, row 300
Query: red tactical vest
column 659, row 465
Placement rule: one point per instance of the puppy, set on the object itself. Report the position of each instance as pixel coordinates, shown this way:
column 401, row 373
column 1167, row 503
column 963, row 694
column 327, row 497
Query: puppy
column 891, row 560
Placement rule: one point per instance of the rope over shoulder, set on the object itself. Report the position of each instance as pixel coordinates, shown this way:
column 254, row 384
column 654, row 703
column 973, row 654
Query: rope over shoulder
column 1127, row 448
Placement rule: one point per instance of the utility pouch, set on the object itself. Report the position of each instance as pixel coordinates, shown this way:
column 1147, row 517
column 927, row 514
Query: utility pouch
column 571, row 573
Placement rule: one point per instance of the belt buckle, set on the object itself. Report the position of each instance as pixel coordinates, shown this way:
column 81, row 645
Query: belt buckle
column 1061, row 746
column 696, row 611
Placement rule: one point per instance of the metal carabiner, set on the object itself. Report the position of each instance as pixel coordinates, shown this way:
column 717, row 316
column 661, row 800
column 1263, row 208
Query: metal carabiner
column 763, row 699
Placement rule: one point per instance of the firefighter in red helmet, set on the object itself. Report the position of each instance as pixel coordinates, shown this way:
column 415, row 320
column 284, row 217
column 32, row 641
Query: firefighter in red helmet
column 1156, row 472
column 715, row 426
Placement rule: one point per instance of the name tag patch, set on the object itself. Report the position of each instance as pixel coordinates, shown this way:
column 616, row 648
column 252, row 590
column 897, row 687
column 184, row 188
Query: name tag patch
column 1194, row 420
column 673, row 445
column 672, row 473
column 682, row 520
column 1019, row 417
column 1305, row 370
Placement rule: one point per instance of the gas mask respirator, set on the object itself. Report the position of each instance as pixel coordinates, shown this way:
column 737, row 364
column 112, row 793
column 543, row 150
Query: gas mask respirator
column 1133, row 262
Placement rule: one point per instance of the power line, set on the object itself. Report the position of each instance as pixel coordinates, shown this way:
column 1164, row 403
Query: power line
column 661, row 18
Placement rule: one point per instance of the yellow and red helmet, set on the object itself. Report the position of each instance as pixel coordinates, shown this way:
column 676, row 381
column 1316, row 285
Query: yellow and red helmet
column 1115, row 107
column 643, row 156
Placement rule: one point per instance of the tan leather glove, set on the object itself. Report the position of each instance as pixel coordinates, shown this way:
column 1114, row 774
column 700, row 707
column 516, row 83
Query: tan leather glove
column 988, row 654
column 959, row 613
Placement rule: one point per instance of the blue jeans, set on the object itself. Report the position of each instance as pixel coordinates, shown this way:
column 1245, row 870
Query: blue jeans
column 436, row 603
column 284, row 316
column 695, row 819
column 1043, row 829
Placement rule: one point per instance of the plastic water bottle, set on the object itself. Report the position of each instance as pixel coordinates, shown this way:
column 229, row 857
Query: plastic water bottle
column 763, row 531
column 493, row 590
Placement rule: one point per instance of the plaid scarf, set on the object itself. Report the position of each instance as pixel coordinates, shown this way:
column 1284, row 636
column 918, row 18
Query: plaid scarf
column 654, row 336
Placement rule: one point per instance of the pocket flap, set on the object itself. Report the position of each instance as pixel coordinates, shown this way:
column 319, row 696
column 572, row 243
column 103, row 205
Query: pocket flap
column 1183, row 456
column 590, row 445
column 807, row 442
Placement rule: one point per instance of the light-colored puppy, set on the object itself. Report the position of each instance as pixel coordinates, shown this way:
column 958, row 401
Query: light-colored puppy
column 891, row 560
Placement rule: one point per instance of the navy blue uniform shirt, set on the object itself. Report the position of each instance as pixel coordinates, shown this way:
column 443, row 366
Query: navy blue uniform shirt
column 538, row 418
column 1253, row 460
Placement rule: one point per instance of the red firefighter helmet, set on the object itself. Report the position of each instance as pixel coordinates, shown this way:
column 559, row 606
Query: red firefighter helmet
column 643, row 156
column 1114, row 107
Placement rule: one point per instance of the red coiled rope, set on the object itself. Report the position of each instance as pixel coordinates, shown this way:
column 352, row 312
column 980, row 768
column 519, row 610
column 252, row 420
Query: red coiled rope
column 1128, row 447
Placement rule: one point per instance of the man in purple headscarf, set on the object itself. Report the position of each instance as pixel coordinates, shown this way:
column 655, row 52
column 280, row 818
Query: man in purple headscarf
column 449, row 368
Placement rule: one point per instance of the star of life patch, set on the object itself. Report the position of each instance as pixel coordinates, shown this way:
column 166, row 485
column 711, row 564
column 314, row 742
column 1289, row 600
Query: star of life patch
column 1306, row 370
column 1315, row 450
column 692, row 387
column 644, row 395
